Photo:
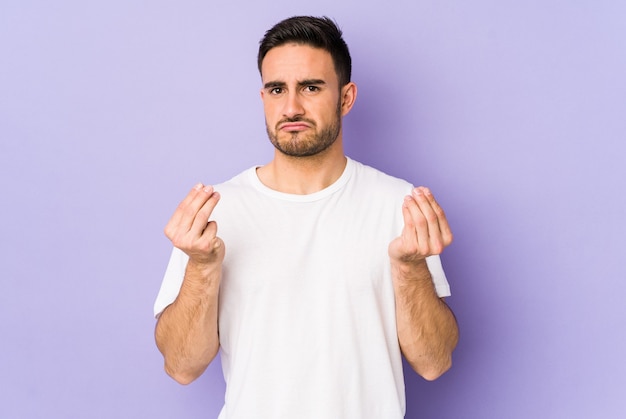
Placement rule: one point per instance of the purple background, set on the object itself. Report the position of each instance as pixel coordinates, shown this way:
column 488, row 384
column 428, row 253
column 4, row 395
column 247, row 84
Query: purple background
column 514, row 113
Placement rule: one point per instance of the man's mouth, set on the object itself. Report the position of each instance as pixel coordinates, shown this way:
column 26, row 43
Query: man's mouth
column 294, row 126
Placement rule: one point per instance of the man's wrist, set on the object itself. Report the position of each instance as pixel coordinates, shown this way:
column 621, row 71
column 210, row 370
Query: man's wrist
column 409, row 266
column 411, row 271
column 204, row 271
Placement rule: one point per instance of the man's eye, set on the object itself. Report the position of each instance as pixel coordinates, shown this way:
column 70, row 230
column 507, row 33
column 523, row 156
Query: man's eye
column 312, row 88
column 276, row 90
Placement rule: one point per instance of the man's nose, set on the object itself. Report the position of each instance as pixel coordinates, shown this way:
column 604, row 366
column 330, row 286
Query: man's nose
column 293, row 105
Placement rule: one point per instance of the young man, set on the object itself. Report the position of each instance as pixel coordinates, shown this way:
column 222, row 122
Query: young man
column 324, row 271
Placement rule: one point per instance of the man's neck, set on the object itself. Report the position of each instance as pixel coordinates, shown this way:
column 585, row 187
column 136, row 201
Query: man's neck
column 303, row 175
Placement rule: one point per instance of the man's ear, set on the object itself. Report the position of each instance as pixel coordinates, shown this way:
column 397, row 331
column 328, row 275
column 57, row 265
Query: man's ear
column 348, row 97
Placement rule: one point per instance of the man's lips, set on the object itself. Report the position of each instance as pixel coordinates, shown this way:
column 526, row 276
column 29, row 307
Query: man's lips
column 294, row 126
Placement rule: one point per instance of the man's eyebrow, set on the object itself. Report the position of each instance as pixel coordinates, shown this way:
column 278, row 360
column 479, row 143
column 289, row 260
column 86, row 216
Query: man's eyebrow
column 309, row 82
column 305, row 82
column 273, row 84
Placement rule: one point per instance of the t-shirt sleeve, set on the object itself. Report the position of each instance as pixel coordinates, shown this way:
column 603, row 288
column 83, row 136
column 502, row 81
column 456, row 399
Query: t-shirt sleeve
column 172, row 281
column 439, row 276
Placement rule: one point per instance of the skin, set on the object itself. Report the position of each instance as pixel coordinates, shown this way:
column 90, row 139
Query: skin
column 300, row 82
column 304, row 105
column 186, row 331
column 427, row 328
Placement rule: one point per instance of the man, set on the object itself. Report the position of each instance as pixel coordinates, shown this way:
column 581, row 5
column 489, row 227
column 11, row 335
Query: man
column 324, row 271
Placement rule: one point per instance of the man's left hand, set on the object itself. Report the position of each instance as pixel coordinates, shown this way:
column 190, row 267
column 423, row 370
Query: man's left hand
column 426, row 231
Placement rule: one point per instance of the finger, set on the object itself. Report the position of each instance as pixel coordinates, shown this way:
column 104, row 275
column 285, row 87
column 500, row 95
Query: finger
column 210, row 231
column 409, row 238
column 440, row 234
column 444, row 226
column 190, row 212
column 182, row 210
column 420, row 225
column 203, row 214
column 435, row 240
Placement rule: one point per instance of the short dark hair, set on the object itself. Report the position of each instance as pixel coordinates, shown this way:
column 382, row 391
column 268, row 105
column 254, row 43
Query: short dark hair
column 318, row 32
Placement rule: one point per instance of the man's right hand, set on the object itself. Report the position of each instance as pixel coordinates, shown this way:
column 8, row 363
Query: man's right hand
column 189, row 228
column 186, row 332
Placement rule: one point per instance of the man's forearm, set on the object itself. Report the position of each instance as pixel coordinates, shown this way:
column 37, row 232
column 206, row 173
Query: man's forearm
column 187, row 332
column 427, row 329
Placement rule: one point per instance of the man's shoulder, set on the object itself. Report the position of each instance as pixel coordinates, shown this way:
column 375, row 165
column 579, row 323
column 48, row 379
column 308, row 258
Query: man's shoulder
column 242, row 179
column 376, row 178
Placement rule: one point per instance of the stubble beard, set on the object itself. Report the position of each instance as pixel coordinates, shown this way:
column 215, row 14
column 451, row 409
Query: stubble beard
column 306, row 145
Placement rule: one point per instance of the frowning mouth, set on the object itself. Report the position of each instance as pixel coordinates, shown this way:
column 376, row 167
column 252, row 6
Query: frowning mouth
column 295, row 125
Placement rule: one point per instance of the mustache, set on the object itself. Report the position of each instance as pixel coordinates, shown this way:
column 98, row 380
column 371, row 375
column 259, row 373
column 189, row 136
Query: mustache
column 296, row 119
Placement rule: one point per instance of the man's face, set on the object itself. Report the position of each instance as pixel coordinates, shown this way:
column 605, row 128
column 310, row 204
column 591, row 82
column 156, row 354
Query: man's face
column 301, row 99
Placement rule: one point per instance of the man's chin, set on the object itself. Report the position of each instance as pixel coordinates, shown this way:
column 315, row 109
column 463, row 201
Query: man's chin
column 302, row 145
column 294, row 145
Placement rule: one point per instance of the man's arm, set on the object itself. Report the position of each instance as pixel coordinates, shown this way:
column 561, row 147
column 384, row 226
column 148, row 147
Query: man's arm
column 427, row 329
column 186, row 331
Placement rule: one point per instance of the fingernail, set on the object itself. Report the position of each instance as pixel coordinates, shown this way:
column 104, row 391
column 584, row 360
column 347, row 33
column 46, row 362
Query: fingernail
column 208, row 188
column 198, row 186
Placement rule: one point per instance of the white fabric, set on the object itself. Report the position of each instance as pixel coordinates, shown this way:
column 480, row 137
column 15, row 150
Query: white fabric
column 306, row 316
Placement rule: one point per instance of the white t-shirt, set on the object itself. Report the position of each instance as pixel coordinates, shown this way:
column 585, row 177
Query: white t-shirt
column 306, row 308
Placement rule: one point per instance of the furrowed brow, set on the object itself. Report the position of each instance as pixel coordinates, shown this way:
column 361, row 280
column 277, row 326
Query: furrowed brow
column 273, row 84
column 310, row 82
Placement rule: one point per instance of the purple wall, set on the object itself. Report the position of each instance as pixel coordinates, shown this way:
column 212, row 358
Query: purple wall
column 515, row 115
